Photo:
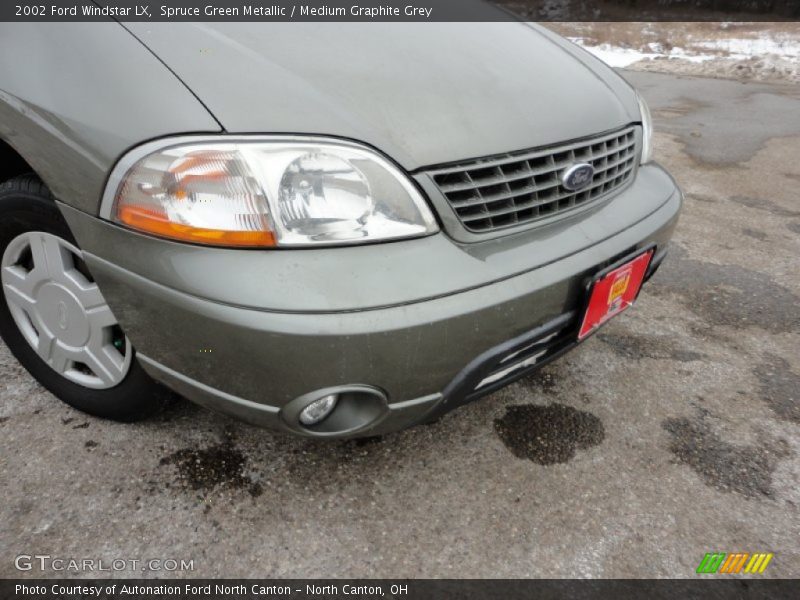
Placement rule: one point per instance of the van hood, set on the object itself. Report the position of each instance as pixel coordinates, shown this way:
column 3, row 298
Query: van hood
column 423, row 93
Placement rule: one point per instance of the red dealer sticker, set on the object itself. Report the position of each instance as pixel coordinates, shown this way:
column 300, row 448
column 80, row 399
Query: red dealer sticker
column 613, row 292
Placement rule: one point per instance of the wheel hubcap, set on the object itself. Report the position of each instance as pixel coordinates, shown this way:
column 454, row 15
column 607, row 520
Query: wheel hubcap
column 60, row 311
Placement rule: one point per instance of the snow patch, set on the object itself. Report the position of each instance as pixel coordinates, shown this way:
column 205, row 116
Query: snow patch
column 747, row 48
column 616, row 56
column 701, row 51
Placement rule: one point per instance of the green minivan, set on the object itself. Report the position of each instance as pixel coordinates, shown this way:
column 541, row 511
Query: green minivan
column 330, row 229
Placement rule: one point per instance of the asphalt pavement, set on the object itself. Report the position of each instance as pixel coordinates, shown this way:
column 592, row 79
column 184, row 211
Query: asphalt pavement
column 672, row 433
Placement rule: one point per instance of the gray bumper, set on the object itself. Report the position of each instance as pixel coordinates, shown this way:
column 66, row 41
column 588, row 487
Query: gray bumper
column 248, row 332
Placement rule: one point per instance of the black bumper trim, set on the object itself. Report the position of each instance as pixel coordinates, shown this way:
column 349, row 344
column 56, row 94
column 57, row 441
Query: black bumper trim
column 464, row 387
column 550, row 341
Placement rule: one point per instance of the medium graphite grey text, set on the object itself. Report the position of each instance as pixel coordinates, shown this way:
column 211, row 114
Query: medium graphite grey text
column 213, row 11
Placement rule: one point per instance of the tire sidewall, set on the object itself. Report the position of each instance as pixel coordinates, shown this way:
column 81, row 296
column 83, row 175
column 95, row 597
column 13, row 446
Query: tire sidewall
column 136, row 395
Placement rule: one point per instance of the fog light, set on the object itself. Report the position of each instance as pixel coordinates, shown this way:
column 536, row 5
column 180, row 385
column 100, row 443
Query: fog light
column 319, row 409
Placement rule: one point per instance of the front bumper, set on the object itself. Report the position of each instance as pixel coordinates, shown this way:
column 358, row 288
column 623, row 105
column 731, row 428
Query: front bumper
column 249, row 332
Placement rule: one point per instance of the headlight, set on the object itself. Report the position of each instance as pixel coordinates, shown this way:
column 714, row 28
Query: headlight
column 647, row 131
column 265, row 192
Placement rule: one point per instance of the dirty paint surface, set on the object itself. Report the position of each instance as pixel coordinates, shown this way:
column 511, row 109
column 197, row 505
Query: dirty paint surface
column 673, row 430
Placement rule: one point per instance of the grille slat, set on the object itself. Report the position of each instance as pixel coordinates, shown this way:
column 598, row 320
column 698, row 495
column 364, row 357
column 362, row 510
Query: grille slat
column 521, row 187
column 564, row 196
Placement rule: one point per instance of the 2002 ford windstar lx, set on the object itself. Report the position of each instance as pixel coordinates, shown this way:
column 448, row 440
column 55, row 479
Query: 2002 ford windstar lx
column 329, row 229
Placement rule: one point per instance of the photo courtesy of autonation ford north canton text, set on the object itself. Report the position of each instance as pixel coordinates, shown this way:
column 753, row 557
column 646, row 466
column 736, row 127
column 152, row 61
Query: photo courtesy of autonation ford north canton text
column 399, row 299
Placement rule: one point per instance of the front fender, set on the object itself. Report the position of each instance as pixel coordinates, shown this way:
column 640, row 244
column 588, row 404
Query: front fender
column 75, row 96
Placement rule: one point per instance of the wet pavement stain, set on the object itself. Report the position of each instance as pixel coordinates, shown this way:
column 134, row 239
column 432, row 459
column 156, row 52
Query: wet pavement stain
column 367, row 441
column 766, row 205
column 779, row 387
column 220, row 465
column 550, row 434
column 754, row 233
column 680, row 107
column 634, row 347
column 702, row 198
column 727, row 295
column 743, row 469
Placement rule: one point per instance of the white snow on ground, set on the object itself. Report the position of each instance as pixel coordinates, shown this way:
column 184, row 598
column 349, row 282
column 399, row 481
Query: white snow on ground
column 741, row 48
column 622, row 57
column 701, row 51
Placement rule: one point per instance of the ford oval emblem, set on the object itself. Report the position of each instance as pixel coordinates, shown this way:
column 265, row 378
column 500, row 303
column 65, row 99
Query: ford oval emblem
column 62, row 316
column 577, row 176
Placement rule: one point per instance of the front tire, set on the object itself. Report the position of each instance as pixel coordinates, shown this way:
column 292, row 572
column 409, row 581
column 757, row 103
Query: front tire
column 53, row 316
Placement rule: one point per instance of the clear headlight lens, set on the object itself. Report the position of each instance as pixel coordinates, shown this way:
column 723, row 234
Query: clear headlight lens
column 321, row 193
column 270, row 193
column 647, row 131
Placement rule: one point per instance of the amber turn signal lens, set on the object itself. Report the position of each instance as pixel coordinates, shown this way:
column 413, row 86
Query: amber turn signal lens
column 205, row 195
column 151, row 221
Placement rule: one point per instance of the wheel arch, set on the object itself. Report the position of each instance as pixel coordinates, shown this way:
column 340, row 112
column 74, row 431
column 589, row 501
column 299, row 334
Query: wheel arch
column 12, row 163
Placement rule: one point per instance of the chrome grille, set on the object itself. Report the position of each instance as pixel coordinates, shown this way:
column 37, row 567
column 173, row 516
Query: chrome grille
column 520, row 187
